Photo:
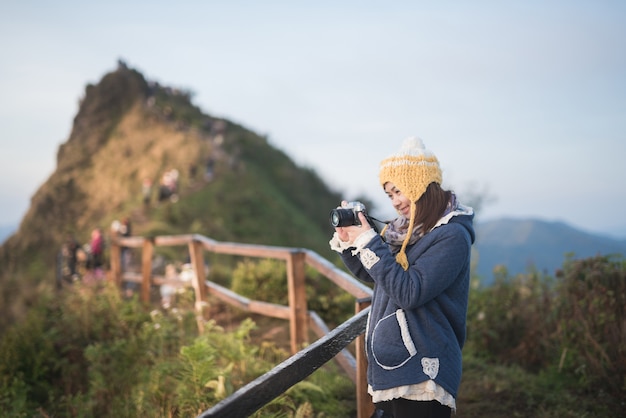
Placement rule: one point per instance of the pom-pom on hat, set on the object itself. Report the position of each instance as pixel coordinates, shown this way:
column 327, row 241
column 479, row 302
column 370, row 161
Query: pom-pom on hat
column 411, row 170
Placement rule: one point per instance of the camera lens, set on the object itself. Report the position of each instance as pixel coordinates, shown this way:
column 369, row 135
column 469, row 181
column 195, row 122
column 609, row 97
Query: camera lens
column 342, row 217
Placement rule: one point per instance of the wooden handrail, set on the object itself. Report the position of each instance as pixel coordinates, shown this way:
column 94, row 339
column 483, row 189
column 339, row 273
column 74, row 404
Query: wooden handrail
column 300, row 319
column 339, row 277
column 267, row 387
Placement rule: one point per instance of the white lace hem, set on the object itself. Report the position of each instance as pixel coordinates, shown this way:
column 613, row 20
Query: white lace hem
column 425, row 391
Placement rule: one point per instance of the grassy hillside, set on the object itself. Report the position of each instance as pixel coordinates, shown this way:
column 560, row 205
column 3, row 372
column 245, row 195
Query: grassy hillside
column 129, row 130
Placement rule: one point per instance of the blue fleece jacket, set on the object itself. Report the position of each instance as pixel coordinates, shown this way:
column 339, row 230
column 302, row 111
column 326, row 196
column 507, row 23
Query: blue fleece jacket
column 417, row 322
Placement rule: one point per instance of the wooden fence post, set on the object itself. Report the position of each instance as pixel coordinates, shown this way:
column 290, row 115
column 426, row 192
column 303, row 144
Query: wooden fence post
column 364, row 404
column 116, row 263
column 146, row 269
column 299, row 315
column 198, row 281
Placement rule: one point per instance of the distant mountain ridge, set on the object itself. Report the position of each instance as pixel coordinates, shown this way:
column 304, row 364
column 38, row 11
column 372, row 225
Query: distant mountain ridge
column 520, row 244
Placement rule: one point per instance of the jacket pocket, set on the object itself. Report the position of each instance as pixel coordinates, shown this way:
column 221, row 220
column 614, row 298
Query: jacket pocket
column 391, row 342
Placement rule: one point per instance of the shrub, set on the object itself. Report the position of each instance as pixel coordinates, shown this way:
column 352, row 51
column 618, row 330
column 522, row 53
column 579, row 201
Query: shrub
column 591, row 308
column 572, row 329
column 266, row 280
column 89, row 352
column 511, row 321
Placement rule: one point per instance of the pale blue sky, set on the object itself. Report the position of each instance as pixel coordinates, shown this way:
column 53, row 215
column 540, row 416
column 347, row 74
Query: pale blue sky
column 524, row 100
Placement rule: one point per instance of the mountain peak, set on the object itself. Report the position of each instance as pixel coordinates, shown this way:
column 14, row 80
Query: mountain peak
column 128, row 134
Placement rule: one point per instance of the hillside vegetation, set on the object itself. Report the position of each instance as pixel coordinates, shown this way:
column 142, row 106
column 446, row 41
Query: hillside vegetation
column 232, row 185
column 536, row 347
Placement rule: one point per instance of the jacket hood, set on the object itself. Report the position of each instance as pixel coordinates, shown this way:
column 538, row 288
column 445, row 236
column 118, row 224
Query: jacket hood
column 463, row 215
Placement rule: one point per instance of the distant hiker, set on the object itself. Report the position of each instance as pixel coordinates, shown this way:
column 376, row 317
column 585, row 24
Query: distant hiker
column 70, row 251
column 126, row 231
column 167, row 290
column 169, row 186
column 193, row 172
column 173, row 181
column 122, row 229
column 60, row 269
column 96, row 249
column 164, row 192
column 218, row 128
column 67, row 261
column 420, row 267
column 146, row 191
column 209, row 171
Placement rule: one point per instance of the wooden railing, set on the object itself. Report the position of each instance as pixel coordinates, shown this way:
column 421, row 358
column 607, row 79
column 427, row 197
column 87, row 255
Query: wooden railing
column 331, row 344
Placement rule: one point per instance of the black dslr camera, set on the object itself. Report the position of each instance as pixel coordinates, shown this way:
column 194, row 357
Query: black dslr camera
column 347, row 215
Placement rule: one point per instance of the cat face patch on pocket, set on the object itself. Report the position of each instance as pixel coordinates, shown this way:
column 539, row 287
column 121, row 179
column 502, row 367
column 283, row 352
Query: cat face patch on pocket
column 430, row 366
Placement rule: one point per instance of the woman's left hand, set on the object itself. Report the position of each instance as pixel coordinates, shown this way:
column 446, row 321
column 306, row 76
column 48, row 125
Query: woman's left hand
column 350, row 233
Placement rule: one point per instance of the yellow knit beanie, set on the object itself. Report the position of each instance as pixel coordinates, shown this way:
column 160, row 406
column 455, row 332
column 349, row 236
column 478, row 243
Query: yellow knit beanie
column 411, row 170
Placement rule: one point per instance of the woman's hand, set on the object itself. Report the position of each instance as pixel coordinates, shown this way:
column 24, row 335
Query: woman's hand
column 350, row 233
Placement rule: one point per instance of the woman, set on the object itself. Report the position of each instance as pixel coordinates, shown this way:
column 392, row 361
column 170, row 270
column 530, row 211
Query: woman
column 420, row 264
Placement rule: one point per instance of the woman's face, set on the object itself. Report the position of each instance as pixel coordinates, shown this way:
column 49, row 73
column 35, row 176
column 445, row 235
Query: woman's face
column 400, row 203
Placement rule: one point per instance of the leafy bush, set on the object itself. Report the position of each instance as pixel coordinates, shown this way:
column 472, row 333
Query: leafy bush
column 511, row 321
column 88, row 352
column 572, row 328
column 591, row 311
column 266, row 280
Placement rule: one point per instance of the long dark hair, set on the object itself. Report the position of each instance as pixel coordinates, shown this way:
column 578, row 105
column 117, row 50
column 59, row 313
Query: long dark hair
column 431, row 206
